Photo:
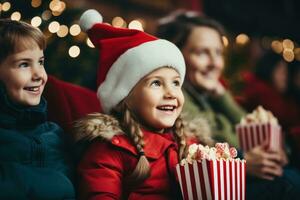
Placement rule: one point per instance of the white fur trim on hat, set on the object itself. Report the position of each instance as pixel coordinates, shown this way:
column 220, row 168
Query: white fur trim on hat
column 89, row 18
column 133, row 65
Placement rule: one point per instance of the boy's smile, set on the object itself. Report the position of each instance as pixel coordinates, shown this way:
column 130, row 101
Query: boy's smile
column 24, row 76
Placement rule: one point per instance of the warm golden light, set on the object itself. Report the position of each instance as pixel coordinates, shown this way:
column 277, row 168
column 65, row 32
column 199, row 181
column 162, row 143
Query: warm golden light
column 225, row 41
column 62, row 6
column 6, row 6
column 74, row 51
column 15, row 16
column 55, row 5
column 135, row 24
column 89, row 43
column 118, row 22
column 36, row 21
column 277, row 46
column 288, row 44
column 297, row 54
column 288, row 55
column 242, row 39
column 63, row 31
column 46, row 15
column 53, row 27
column 56, row 13
column 75, row 30
column 36, row 3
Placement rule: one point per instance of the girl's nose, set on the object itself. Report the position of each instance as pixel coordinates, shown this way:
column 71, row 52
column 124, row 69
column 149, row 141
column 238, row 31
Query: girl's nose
column 170, row 93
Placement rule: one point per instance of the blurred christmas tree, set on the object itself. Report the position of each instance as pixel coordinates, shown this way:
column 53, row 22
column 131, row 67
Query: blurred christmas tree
column 69, row 55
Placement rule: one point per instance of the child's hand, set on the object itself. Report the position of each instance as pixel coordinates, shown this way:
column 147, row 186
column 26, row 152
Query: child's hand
column 263, row 163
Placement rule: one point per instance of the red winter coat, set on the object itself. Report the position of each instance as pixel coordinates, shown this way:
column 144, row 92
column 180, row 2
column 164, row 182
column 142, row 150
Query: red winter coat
column 109, row 160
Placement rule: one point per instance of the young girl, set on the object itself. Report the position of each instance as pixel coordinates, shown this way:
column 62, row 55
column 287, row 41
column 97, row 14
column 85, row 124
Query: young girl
column 33, row 162
column 135, row 149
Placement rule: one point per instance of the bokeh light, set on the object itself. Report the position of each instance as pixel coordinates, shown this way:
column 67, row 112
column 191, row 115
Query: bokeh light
column 6, row 6
column 74, row 51
column 242, row 39
column 36, row 21
column 36, row 3
column 277, row 46
column 75, row 30
column 53, row 27
column 288, row 55
column 135, row 24
column 118, row 22
column 225, row 41
column 89, row 43
column 63, row 31
column 16, row 16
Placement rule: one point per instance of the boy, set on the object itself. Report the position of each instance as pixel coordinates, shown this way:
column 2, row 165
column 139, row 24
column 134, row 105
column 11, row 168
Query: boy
column 33, row 161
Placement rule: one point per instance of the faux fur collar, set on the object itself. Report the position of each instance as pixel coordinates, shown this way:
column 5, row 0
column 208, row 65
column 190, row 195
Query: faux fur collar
column 96, row 125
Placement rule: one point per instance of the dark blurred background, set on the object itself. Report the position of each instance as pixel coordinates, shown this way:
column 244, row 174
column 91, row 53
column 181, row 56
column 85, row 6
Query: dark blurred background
column 252, row 26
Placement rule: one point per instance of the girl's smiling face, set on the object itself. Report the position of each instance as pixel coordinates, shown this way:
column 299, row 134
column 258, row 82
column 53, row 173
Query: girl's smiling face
column 157, row 99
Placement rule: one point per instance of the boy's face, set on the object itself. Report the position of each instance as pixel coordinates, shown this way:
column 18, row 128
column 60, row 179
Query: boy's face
column 157, row 99
column 24, row 76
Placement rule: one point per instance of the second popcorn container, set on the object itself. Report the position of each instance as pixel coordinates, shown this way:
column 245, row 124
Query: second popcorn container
column 257, row 128
column 212, row 173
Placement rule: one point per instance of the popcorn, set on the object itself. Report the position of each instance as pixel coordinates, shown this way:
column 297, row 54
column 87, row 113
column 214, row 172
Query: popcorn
column 198, row 152
column 212, row 173
column 259, row 115
column 259, row 127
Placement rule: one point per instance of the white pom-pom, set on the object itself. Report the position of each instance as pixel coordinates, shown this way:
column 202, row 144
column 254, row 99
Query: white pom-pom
column 89, row 18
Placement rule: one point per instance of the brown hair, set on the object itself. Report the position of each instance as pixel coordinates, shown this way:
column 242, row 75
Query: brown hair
column 16, row 36
column 132, row 128
column 178, row 26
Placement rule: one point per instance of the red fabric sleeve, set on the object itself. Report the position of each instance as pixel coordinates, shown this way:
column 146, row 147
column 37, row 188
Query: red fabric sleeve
column 101, row 172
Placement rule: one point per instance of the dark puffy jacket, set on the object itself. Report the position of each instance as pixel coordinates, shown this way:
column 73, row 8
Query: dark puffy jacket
column 33, row 159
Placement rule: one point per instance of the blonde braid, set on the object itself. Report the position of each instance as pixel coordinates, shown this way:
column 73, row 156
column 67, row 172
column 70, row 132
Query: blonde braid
column 180, row 137
column 132, row 128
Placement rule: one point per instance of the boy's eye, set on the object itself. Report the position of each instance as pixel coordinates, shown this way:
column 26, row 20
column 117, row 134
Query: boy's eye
column 41, row 62
column 23, row 64
column 155, row 83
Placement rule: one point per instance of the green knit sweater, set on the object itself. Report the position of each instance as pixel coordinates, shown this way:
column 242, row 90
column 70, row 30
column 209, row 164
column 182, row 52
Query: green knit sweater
column 222, row 113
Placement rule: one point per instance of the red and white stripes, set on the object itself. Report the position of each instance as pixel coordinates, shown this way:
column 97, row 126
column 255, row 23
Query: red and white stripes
column 255, row 134
column 213, row 180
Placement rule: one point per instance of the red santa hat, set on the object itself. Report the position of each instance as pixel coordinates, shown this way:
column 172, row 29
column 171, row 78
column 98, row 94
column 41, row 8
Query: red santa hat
column 126, row 56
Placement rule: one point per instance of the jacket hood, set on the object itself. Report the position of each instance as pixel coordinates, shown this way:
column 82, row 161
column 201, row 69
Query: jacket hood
column 96, row 125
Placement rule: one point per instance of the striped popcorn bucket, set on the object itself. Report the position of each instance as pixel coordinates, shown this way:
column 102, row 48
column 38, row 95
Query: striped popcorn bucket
column 213, row 180
column 252, row 135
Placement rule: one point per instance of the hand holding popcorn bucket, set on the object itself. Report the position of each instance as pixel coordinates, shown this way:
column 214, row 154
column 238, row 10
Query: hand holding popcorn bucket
column 257, row 128
column 212, row 173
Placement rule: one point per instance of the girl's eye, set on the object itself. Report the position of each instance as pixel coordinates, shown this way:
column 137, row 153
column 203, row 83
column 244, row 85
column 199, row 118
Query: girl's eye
column 176, row 82
column 155, row 83
column 24, row 64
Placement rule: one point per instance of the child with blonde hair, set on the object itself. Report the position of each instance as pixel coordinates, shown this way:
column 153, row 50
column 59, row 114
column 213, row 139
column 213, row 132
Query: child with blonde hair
column 140, row 138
